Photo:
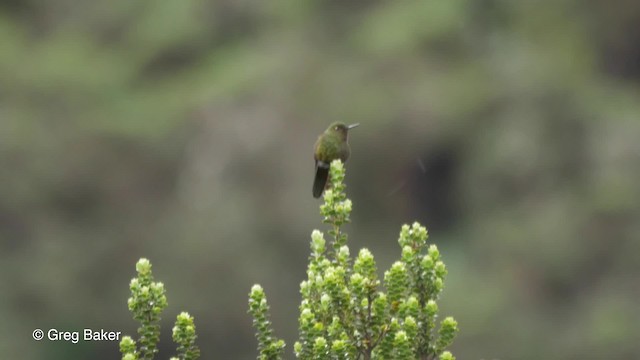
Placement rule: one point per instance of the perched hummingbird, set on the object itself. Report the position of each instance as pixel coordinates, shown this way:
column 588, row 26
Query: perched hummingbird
column 332, row 144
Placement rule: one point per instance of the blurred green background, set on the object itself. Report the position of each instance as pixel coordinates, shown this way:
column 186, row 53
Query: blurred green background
column 182, row 131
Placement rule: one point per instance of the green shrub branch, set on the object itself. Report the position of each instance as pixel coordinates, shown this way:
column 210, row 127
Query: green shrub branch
column 146, row 303
column 345, row 312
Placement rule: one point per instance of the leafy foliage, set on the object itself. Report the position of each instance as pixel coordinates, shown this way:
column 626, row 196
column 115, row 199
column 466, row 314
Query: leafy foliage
column 147, row 302
column 184, row 334
column 345, row 313
column 270, row 348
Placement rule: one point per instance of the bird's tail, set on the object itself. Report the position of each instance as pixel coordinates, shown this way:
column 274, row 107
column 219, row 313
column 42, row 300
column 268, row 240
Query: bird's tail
column 320, row 180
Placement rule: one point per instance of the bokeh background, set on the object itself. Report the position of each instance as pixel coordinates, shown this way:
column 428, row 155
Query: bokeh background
column 182, row 131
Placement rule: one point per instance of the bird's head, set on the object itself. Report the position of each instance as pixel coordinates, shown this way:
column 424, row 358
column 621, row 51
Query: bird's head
column 340, row 129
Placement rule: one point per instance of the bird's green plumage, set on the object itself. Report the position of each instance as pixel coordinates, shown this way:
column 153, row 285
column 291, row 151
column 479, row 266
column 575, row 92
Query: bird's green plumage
column 331, row 145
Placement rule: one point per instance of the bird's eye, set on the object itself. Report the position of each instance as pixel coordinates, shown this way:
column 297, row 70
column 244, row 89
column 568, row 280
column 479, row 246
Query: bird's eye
column 335, row 128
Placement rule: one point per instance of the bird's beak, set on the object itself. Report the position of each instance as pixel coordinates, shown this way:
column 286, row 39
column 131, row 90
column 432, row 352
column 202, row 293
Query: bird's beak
column 352, row 126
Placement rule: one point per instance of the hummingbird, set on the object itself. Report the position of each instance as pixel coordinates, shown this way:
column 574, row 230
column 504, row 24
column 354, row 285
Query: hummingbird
column 331, row 145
